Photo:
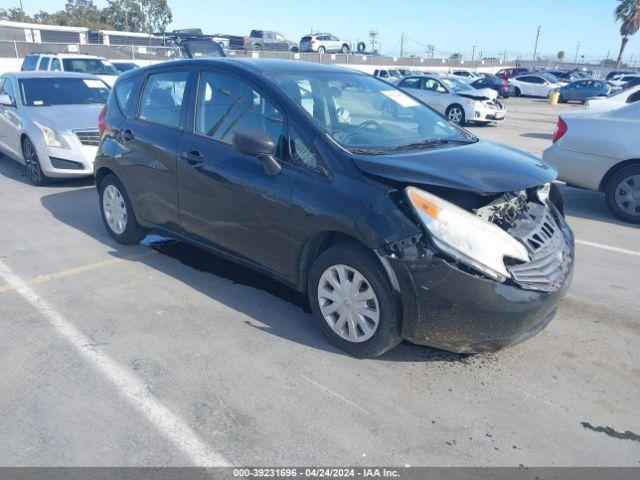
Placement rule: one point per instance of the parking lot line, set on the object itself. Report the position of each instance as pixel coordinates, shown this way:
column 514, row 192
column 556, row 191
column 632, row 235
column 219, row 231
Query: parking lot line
column 609, row 248
column 40, row 279
column 129, row 385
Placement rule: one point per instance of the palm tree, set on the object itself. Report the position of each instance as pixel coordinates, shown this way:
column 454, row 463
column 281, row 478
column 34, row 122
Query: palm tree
column 628, row 12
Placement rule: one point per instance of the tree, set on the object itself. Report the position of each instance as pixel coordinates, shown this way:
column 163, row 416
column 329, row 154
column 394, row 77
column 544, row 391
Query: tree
column 627, row 12
column 560, row 55
column 157, row 15
column 124, row 15
column 15, row 15
column 456, row 56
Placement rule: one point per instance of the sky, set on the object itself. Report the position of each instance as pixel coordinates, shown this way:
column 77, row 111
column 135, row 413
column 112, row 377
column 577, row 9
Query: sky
column 491, row 26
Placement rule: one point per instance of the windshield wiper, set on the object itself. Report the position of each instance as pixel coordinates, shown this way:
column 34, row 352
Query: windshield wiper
column 365, row 151
column 435, row 142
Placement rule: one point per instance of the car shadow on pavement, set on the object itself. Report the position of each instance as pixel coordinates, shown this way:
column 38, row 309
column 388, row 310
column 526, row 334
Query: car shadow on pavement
column 79, row 209
column 15, row 171
column 589, row 205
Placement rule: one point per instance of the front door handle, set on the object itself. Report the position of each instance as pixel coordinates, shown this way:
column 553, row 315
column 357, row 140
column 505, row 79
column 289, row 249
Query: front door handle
column 193, row 157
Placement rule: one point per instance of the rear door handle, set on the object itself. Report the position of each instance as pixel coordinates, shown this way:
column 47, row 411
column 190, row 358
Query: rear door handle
column 127, row 136
column 193, row 157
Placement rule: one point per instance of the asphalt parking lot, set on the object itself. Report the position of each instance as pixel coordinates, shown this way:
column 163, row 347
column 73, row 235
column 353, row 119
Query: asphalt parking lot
column 166, row 355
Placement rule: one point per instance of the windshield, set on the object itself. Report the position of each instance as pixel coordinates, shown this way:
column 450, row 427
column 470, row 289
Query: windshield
column 456, row 85
column 92, row 66
column 203, row 49
column 366, row 115
column 45, row 92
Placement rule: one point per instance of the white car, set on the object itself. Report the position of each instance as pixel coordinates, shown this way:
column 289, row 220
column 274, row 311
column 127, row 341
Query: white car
column 466, row 75
column 390, row 75
column 49, row 122
column 71, row 62
column 535, row 84
column 323, row 43
column 617, row 100
column 621, row 80
column 599, row 151
column 455, row 99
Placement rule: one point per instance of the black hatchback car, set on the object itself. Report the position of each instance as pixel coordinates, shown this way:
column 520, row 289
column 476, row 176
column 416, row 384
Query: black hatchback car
column 396, row 228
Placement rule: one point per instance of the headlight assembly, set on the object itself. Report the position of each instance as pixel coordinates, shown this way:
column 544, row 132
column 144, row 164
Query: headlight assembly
column 466, row 237
column 51, row 137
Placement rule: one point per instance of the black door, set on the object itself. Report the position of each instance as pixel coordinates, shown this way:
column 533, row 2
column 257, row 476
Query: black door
column 226, row 198
column 153, row 138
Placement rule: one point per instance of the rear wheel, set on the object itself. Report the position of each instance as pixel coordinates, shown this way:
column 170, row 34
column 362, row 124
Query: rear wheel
column 32, row 164
column 322, row 50
column 623, row 194
column 352, row 301
column 455, row 113
column 117, row 212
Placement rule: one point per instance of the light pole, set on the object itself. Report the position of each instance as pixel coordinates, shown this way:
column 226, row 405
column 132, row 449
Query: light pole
column 535, row 48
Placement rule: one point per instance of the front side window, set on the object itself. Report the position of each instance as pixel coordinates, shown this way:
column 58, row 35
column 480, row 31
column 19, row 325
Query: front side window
column 226, row 105
column 8, row 89
column 368, row 116
column 45, row 92
column 162, row 98
column 302, row 154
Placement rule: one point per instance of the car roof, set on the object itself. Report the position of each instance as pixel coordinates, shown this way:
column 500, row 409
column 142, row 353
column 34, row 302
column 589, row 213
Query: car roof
column 70, row 55
column 48, row 74
column 264, row 66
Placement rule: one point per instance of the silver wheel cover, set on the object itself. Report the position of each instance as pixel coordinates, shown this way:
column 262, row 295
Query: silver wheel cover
column 348, row 303
column 628, row 195
column 114, row 208
column 455, row 115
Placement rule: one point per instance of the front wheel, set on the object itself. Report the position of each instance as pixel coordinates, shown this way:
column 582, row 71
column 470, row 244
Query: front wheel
column 352, row 301
column 345, row 49
column 623, row 194
column 117, row 212
column 32, row 164
column 455, row 113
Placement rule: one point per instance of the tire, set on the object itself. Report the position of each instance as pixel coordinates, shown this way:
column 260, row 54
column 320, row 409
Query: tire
column 345, row 49
column 32, row 164
column 322, row 50
column 623, row 194
column 350, row 260
column 112, row 191
column 294, row 50
column 455, row 113
column 517, row 92
column 257, row 47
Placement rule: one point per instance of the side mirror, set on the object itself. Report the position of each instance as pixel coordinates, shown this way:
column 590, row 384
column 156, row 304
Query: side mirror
column 6, row 101
column 258, row 143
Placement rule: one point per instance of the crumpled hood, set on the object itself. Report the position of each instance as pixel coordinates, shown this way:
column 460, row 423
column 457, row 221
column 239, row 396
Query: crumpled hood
column 481, row 167
column 480, row 94
column 63, row 118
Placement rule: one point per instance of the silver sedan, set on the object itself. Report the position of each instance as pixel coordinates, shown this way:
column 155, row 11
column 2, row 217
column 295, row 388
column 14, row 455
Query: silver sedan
column 49, row 122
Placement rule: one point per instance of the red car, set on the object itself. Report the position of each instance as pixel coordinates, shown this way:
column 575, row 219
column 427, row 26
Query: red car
column 507, row 73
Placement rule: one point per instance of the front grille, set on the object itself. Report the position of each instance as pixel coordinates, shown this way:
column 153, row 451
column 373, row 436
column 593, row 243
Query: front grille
column 88, row 137
column 550, row 251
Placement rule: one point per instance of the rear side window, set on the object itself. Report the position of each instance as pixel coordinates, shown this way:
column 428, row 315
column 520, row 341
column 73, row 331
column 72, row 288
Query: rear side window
column 410, row 83
column 162, row 98
column 55, row 65
column 29, row 63
column 123, row 90
column 44, row 63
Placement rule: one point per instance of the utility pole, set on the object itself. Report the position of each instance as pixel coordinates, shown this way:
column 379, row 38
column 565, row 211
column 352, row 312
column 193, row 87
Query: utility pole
column 535, row 48
column 577, row 51
column 504, row 56
column 402, row 45
column 473, row 52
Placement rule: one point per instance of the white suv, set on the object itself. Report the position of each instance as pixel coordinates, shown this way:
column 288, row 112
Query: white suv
column 323, row 43
column 71, row 62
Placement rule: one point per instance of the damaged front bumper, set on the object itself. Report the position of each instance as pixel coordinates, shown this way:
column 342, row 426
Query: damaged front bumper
column 447, row 306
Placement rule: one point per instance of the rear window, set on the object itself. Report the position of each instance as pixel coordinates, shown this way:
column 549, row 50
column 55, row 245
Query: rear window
column 45, row 92
column 29, row 62
column 306, row 39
